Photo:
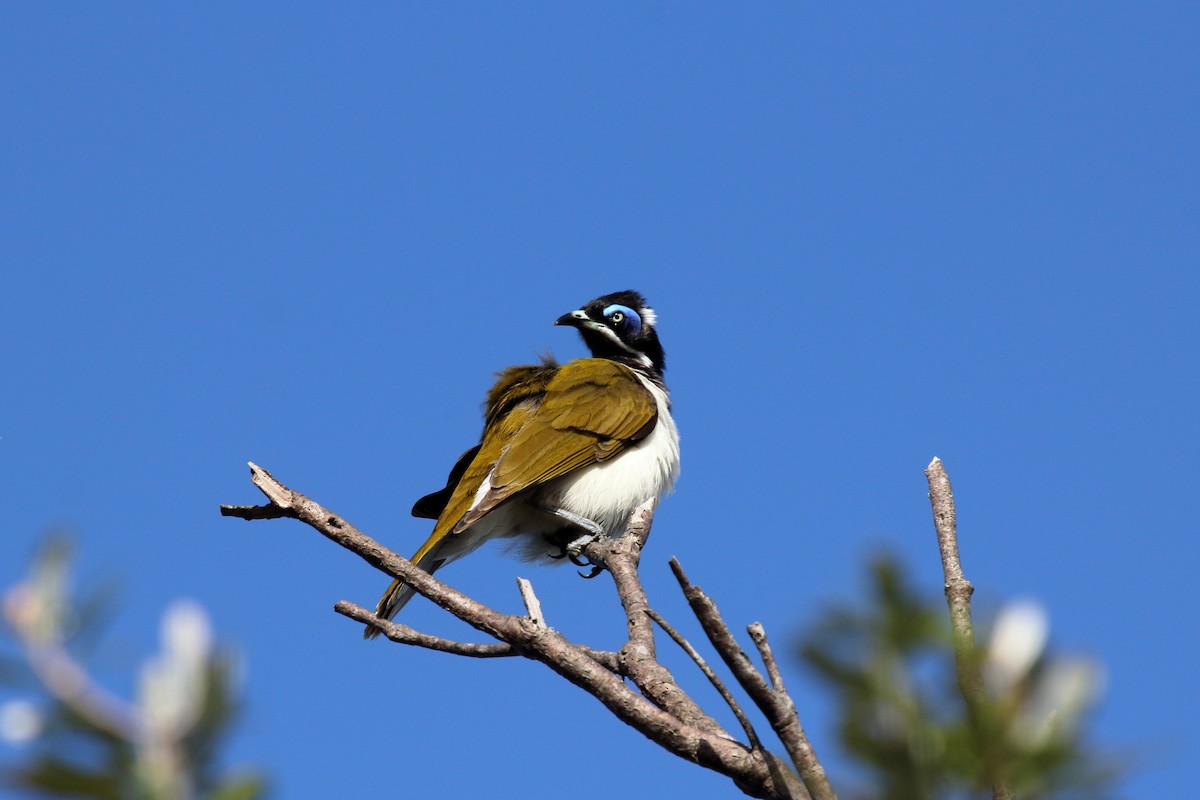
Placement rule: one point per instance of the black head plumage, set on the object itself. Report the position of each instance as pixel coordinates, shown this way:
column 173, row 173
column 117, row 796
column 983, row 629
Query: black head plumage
column 621, row 327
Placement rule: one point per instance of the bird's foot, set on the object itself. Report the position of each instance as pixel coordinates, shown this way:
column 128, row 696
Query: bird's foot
column 577, row 558
column 573, row 549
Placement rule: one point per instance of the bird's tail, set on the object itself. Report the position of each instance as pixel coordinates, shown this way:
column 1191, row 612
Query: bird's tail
column 399, row 593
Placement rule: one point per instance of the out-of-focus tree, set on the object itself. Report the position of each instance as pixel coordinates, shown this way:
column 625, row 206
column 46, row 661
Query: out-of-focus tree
column 902, row 718
column 77, row 739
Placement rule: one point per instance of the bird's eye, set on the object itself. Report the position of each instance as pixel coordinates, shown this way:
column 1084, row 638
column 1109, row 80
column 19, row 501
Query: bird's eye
column 624, row 318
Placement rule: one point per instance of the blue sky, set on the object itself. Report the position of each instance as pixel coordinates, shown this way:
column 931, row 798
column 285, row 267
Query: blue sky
column 873, row 234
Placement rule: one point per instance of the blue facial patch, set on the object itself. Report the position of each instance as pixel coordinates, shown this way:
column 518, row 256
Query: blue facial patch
column 632, row 321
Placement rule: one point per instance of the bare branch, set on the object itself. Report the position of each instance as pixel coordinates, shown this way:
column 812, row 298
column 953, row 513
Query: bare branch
column 281, row 504
column 718, row 684
column 958, row 598
column 621, row 558
column 777, row 706
column 757, row 773
column 639, row 660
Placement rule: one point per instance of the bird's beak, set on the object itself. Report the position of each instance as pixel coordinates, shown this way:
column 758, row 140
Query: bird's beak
column 575, row 319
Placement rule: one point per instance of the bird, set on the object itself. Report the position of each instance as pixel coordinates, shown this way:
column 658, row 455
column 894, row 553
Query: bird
column 567, row 451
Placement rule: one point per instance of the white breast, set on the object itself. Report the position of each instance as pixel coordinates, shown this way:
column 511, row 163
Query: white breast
column 608, row 492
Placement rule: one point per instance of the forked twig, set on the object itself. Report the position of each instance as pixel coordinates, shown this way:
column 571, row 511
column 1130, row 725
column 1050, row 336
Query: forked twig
column 777, row 706
column 718, row 684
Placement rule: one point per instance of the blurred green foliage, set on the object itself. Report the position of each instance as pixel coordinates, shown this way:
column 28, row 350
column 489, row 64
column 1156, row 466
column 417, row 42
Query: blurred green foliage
column 75, row 739
column 902, row 720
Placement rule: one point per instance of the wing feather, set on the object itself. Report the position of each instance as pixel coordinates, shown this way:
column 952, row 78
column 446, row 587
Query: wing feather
column 592, row 409
column 510, row 403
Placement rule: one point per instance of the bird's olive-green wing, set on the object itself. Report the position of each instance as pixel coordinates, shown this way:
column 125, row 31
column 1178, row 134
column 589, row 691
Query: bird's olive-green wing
column 592, row 409
column 511, row 402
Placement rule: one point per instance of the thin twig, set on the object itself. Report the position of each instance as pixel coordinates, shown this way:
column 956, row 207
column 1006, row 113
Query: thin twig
column 778, row 707
column 718, row 684
column 268, row 511
column 759, row 635
column 958, row 598
column 406, row 635
column 403, row 634
column 532, row 604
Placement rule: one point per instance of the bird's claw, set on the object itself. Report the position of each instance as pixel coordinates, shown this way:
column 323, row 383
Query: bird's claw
column 574, row 548
column 574, row 551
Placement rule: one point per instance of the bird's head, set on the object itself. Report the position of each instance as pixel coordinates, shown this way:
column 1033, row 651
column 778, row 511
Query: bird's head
column 619, row 327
